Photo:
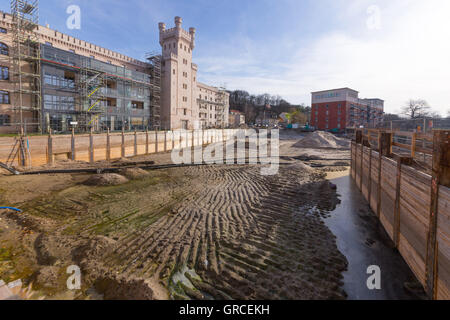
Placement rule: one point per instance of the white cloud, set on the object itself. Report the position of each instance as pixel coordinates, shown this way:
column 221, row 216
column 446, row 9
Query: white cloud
column 407, row 57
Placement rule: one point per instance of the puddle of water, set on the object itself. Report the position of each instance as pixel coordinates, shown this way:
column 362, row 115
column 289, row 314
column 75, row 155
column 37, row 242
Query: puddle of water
column 362, row 239
column 180, row 277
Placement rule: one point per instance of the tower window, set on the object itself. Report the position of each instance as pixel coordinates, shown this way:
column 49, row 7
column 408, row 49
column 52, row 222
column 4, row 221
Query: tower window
column 4, row 97
column 4, row 120
column 4, row 50
column 173, row 71
column 4, row 73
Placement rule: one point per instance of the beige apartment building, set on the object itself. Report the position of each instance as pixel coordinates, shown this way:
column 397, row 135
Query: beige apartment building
column 50, row 80
column 187, row 103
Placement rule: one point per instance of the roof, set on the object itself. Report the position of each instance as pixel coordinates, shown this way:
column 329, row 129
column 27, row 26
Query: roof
column 346, row 88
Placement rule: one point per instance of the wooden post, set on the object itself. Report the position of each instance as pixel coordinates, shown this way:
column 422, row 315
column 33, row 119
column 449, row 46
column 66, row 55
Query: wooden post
column 351, row 159
column 386, row 144
column 156, row 142
column 50, row 148
column 165, row 141
column 361, row 168
column 385, row 147
column 173, row 139
column 122, row 146
column 193, row 138
column 72, row 145
column 440, row 176
column 413, row 145
column 380, row 157
column 146, row 140
column 135, row 143
column 91, row 147
column 358, row 136
column 396, row 227
column 369, row 187
column 108, row 146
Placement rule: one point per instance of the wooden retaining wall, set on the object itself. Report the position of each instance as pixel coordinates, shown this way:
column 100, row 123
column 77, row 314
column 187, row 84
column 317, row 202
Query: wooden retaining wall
column 107, row 146
column 415, row 214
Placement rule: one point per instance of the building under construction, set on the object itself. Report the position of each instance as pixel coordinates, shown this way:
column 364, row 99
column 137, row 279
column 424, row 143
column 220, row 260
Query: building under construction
column 49, row 80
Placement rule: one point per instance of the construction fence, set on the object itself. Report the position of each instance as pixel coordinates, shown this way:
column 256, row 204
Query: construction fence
column 422, row 125
column 41, row 150
column 412, row 205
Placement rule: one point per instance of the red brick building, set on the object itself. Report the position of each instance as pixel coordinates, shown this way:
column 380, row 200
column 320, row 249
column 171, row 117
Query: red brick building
column 339, row 109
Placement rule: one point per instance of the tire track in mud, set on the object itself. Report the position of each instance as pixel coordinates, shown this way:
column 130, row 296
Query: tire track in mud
column 245, row 235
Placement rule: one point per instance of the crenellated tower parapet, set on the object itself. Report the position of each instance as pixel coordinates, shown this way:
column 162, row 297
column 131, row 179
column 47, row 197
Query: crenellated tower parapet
column 176, row 33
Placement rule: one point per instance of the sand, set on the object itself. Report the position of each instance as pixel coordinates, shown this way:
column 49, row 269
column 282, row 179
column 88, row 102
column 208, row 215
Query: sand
column 322, row 139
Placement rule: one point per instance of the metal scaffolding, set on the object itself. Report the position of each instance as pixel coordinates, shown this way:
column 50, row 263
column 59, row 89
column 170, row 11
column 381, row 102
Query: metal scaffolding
column 155, row 59
column 25, row 62
column 221, row 110
column 92, row 89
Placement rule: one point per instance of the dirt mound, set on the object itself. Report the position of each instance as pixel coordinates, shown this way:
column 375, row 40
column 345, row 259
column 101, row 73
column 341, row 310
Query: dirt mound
column 107, row 179
column 322, row 139
column 123, row 288
column 134, row 173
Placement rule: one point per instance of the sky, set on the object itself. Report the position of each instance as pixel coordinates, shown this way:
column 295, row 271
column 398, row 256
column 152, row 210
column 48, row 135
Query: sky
column 394, row 50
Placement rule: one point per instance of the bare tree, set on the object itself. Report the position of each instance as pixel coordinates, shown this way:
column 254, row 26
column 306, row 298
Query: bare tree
column 416, row 109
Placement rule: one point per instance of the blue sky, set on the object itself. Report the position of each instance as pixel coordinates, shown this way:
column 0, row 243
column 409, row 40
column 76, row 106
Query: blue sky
column 391, row 49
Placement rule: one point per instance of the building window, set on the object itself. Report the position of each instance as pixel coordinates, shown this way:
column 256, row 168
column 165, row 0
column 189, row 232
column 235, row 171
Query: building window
column 4, row 50
column 173, row 71
column 3, row 30
column 4, row 97
column 5, row 120
column 184, row 111
column 4, row 73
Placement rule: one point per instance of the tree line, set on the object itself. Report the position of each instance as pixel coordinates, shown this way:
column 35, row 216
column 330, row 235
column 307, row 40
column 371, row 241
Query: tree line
column 252, row 106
